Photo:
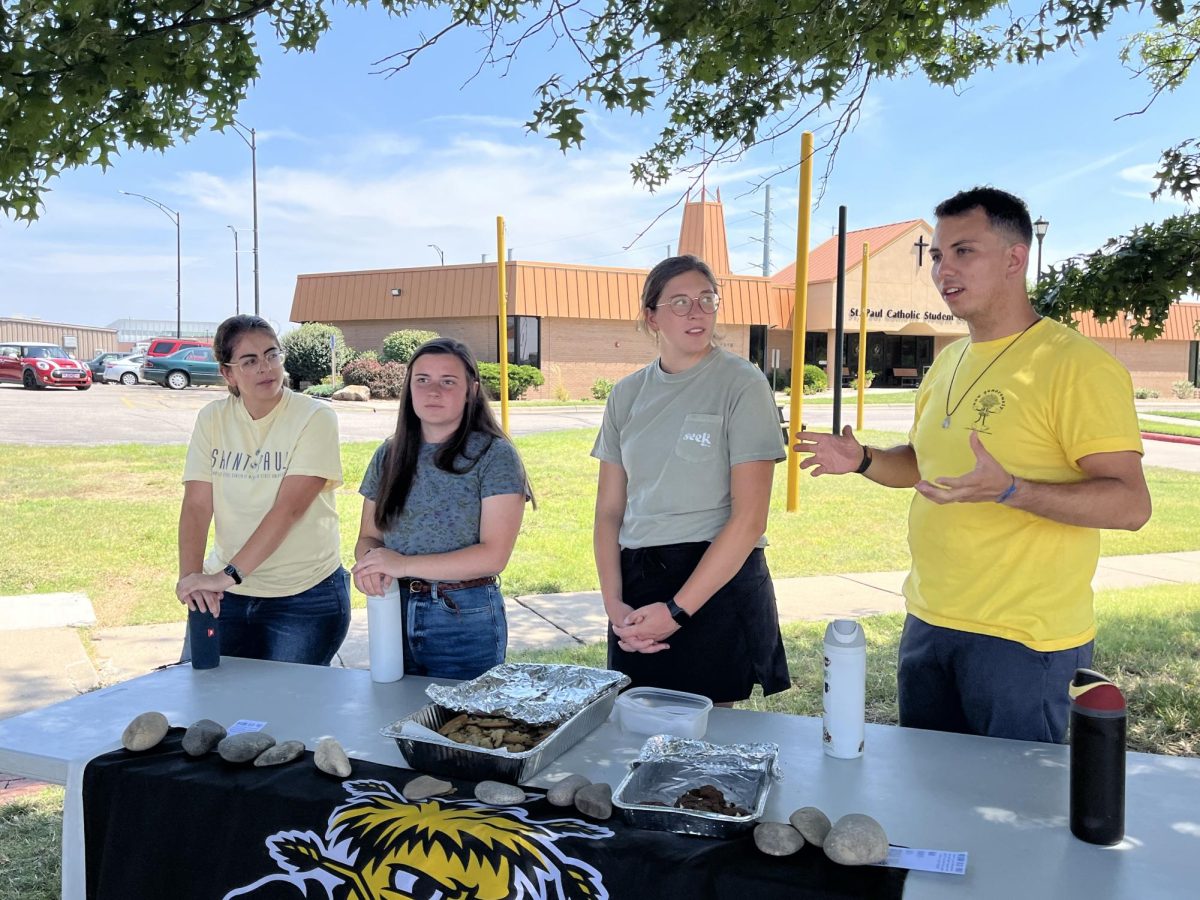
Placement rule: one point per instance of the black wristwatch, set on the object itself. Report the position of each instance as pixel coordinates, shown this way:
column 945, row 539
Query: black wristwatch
column 232, row 572
column 678, row 613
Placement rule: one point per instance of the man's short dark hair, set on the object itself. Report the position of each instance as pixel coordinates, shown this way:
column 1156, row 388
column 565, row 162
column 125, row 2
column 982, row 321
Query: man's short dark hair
column 1005, row 211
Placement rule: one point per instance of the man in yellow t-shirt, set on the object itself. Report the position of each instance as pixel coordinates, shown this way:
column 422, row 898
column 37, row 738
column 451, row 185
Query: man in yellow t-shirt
column 1025, row 442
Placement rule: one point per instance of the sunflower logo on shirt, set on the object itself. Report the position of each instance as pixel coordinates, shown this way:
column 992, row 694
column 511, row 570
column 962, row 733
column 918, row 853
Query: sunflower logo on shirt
column 986, row 405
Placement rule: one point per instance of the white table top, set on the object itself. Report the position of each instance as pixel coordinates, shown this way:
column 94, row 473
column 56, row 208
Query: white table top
column 1005, row 802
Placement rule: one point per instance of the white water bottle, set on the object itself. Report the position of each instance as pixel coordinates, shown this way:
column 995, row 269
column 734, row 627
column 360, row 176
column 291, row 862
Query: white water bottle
column 845, row 696
column 385, row 635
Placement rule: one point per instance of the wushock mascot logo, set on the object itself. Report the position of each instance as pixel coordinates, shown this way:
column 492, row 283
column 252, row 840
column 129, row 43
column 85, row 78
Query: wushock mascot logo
column 380, row 846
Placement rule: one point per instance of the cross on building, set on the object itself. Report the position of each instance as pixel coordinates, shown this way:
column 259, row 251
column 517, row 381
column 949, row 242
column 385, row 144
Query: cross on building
column 920, row 245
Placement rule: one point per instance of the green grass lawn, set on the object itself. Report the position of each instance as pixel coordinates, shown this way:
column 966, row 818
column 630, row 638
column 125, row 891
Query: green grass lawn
column 850, row 399
column 102, row 520
column 1173, row 413
column 1169, row 428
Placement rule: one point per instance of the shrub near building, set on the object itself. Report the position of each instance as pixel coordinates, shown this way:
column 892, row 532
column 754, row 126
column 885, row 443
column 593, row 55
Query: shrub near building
column 399, row 346
column 520, row 379
column 307, row 349
column 385, row 381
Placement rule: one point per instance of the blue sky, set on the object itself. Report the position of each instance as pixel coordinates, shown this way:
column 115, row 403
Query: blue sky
column 358, row 171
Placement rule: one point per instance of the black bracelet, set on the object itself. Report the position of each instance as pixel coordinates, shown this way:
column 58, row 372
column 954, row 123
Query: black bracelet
column 866, row 461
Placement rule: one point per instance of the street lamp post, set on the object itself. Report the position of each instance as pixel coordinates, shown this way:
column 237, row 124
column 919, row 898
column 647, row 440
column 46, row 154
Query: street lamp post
column 173, row 215
column 441, row 255
column 1040, row 227
column 250, row 142
column 237, row 275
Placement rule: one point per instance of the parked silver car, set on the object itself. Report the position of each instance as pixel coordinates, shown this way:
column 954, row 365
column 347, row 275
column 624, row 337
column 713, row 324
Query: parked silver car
column 127, row 370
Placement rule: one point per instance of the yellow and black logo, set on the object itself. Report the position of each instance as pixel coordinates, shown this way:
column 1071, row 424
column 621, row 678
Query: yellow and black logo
column 380, row 846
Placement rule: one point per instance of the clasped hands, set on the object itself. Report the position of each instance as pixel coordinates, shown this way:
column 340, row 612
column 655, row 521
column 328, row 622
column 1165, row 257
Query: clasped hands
column 202, row 593
column 374, row 571
column 642, row 630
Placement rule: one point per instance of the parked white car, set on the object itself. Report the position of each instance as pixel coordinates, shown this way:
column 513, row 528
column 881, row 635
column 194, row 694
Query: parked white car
column 127, row 370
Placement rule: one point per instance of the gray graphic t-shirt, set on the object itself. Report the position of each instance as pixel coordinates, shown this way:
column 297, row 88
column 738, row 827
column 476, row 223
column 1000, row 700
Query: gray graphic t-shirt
column 442, row 510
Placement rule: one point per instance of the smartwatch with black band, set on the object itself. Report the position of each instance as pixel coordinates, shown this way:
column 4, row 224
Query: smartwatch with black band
column 678, row 613
column 232, row 572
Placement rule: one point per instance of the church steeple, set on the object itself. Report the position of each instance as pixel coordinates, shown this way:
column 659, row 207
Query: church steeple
column 702, row 232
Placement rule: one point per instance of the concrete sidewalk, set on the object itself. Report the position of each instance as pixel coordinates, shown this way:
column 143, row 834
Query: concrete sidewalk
column 42, row 662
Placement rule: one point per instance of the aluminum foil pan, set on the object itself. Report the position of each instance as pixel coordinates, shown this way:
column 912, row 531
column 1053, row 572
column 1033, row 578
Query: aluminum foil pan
column 427, row 751
column 668, row 767
column 532, row 692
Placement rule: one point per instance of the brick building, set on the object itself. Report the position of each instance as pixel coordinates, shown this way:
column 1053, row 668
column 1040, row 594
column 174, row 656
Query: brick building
column 579, row 323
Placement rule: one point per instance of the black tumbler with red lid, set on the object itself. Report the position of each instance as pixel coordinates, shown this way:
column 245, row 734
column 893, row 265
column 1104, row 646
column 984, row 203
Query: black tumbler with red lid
column 1097, row 759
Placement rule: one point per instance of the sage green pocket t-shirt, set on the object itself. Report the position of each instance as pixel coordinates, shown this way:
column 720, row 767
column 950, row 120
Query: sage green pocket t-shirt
column 677, row 436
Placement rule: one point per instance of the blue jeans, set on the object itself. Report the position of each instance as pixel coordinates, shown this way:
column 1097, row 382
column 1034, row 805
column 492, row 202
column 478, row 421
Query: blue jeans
column 968, row 683
column 305, row 628
column 453, row 634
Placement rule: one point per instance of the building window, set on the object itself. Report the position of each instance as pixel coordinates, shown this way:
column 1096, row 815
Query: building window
column 525, row 341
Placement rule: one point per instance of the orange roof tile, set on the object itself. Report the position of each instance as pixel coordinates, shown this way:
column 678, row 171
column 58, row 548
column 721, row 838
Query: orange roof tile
column 1180, row 325
column 822, row 262
column 534, row 289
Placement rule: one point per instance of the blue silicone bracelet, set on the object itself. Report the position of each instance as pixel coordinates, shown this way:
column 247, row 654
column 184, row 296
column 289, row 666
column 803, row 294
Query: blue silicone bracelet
column 1012, row 489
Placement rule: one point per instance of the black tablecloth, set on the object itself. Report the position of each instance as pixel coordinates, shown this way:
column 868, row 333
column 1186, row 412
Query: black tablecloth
column 161, row 824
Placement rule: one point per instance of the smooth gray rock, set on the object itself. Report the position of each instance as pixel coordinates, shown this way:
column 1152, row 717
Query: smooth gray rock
column 241, row 748
column 145, row 731
column 777, row 839
column 856, row 840
column 563, row 793
column 812, row 824
column 331, row 758
column 202, row 737
column 594, row 801
column 280, row 754
column 496, row 793
column 425, row 786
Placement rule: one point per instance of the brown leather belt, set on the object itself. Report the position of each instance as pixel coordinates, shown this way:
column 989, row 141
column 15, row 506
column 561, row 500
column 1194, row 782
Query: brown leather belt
column 420, row 586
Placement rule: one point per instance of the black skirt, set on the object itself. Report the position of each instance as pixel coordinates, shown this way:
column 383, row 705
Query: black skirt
column 731, row 644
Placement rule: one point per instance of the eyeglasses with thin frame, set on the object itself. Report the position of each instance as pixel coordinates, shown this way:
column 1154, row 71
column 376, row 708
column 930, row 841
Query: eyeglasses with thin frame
column 274, row 359
column 682, row 304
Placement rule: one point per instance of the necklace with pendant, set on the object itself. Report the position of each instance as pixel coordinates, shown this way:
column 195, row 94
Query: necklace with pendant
column 950, row 411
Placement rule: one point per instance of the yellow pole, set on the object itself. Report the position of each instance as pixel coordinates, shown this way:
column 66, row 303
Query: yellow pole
column 799, row 317
column 503, row 354
column 862, row 337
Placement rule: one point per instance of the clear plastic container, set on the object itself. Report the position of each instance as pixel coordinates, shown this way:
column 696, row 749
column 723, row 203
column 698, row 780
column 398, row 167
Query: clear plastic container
column 647, row 710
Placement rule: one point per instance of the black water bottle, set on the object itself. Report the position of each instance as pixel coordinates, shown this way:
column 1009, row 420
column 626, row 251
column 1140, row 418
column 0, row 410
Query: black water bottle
column 1097, row 759
column 204, row 635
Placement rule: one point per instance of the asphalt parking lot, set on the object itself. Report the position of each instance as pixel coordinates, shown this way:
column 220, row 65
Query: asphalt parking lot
column 149, row 414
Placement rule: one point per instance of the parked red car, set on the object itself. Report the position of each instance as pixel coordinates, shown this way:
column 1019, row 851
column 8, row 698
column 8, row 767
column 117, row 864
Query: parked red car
column 37, row 365
column 165, row 346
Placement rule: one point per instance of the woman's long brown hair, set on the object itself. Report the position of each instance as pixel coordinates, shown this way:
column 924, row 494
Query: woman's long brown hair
column 400, row 464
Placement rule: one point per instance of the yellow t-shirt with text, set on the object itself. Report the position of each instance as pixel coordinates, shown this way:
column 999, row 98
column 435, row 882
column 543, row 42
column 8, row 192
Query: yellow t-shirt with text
column 1052, row 398
column 246, row 461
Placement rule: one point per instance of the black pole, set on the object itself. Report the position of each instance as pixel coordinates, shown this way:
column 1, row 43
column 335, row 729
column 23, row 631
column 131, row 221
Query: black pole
column 840, row 326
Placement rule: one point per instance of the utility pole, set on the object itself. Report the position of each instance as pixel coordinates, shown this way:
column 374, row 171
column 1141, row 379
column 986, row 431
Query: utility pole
column 237, row 275
column 251, row 142
column 766, row 263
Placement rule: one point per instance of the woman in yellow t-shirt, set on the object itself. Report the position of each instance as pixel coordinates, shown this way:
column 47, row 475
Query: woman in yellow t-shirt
column 263, row 465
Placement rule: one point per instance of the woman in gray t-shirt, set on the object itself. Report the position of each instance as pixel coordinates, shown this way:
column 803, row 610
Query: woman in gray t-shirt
column 687, row 452
column 443, row 501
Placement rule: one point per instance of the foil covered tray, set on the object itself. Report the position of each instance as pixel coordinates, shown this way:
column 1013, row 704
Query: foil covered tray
column 668, row 767
column 586, row 700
